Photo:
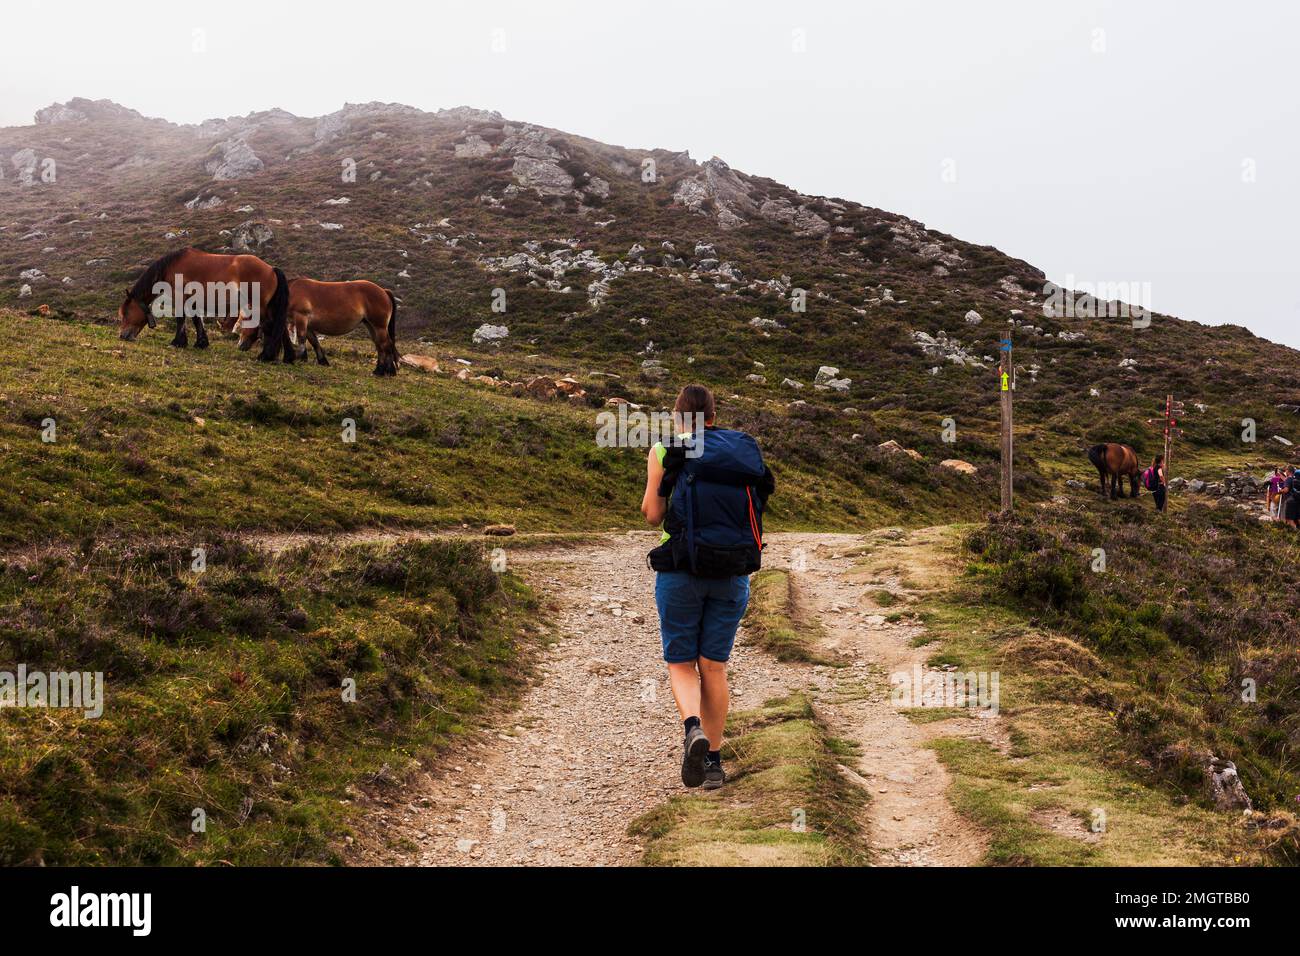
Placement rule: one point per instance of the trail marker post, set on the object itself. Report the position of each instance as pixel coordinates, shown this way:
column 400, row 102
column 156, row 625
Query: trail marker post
column 1168, row 422
column 1006, row 385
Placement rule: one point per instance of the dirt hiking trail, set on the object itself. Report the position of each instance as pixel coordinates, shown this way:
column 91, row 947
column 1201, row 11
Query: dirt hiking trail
column 595, row 741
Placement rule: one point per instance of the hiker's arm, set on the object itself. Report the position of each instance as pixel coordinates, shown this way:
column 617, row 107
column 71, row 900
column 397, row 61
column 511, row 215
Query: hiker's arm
column 652, row 506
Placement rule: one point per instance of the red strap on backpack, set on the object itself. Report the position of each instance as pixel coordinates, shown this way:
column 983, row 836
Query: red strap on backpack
column 753, row 520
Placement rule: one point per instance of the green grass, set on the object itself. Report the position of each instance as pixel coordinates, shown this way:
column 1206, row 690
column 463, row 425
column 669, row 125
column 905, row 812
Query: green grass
column 225, row 692
column 150, row 440
column 784, row 804
column 1070, row 789
column 775, row 622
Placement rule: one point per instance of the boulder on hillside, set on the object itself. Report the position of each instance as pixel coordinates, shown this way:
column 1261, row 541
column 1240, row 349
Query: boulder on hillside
column 233, row 159
column 959, row 466
column 251, row 236
column 654, row 369
column 474, row 146
column 1221, row 781
column 488, row 332
column 892, row 447
column 426, row 363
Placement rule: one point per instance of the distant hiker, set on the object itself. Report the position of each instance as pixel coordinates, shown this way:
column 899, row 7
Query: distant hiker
column 709, row 491
column 1273, row 496
column 1291, row 498
column 1153, row 479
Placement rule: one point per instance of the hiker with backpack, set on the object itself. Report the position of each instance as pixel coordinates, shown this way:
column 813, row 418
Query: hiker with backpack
column 1291, row 498
column 709, row 491
column 1153, row 480
column 1273, row 496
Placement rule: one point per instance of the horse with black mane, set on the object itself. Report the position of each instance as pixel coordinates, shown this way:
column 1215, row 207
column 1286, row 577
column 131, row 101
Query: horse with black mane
column 336, row 308
column 1116, row 462
column 258, row 293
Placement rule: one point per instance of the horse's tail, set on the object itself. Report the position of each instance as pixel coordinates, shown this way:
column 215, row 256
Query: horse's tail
column 1097, row 455
column 392, row 325
column 273, row 325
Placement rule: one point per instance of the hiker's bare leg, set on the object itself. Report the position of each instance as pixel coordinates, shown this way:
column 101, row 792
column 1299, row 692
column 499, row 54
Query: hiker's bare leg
column 714, row 699
column 685, row 682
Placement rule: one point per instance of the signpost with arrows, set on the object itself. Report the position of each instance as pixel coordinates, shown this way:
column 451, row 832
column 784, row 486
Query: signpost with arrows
column 1006, row 382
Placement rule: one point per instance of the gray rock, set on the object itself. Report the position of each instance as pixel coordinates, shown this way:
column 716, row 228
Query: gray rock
column 543, row 176
column 81, row 110
column 474, row 146
column 489, row 333
column 251, row 236
column 233, row 159
column 717, row 184
column 654, row 369
column 24, row 160
column 802, row 220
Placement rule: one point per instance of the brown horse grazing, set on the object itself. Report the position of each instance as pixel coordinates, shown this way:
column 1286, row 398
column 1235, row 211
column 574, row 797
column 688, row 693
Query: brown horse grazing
column 336, row 308
column 1116, row 461
column 202, row 284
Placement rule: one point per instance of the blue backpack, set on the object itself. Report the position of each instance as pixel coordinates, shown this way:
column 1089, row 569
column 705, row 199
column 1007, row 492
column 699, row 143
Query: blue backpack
column 715, row 513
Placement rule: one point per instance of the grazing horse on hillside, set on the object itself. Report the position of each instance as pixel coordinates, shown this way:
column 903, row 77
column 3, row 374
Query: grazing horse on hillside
column 1116, row 461
column 336, row 308
column 229, row 289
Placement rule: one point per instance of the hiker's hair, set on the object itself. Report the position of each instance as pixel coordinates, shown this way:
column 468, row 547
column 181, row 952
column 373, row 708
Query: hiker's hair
column 693, row 399
column 1158, row 460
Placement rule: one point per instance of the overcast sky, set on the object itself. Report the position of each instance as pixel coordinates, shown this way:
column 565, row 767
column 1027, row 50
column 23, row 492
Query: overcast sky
column 1146, row 141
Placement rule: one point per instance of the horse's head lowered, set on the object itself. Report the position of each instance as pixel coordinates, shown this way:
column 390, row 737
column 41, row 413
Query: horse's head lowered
column 132, row 317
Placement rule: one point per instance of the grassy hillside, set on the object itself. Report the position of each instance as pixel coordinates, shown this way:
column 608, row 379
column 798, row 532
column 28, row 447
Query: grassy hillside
column 1183, row 645
column 226, row 736
column 150, row 440
column 439, row 228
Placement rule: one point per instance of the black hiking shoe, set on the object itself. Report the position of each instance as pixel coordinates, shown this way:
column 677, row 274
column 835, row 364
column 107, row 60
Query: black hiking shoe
column 695, row 750
column 714, row 775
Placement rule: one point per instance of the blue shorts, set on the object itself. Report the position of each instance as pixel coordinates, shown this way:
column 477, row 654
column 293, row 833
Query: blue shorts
column 698, row 617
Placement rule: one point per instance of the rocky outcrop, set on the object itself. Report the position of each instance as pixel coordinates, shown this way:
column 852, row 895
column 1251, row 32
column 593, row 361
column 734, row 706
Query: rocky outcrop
column 233, row 159
column 949, row 349
column 802, row 220
column 828, row 379
column 537, row 163
column 472, row 147
column 81, row 110
column 333, row 125
column 716, row 185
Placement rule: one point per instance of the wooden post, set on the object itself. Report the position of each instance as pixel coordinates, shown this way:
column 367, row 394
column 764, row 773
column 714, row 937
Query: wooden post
column 1169, row 423
column 1006, row 378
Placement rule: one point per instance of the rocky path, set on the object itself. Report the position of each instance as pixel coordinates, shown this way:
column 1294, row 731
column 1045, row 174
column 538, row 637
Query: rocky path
column 596, row 740
column 909, row 819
